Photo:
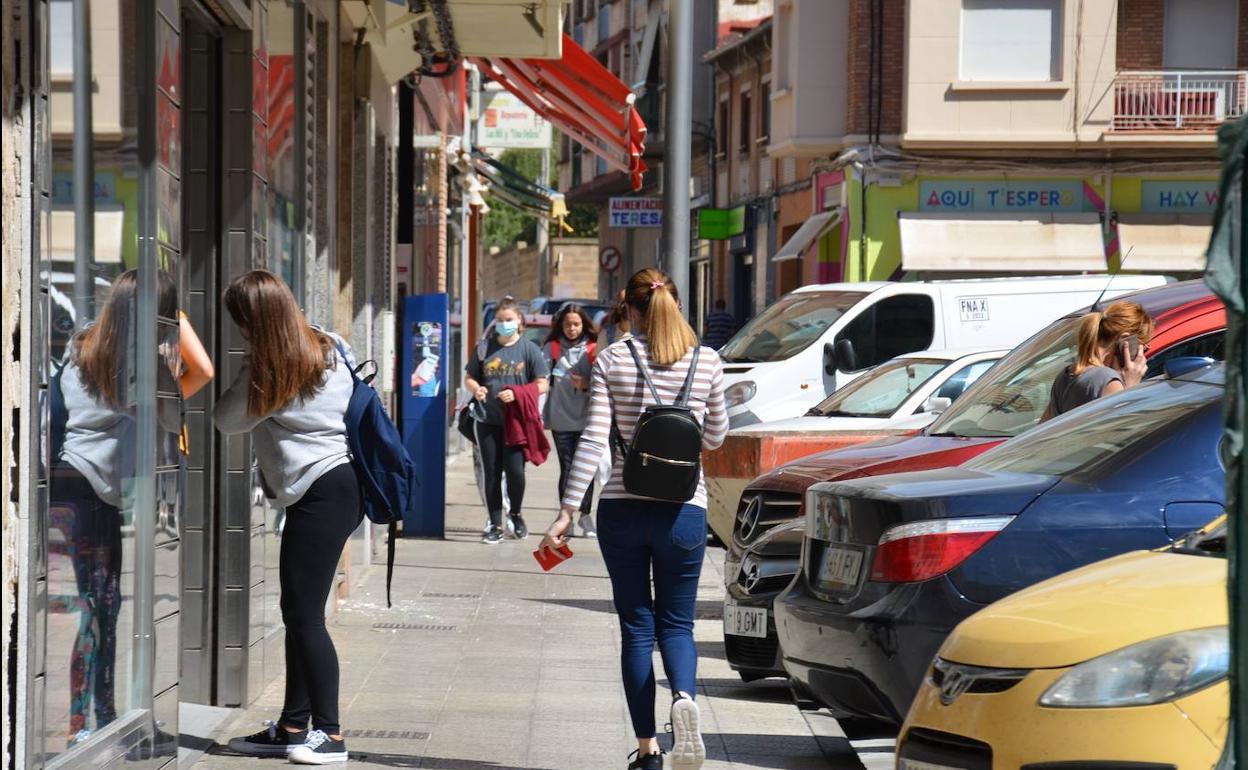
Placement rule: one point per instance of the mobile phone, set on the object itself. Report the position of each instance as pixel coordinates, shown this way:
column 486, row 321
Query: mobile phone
column 551, row 559
column 1133, row 348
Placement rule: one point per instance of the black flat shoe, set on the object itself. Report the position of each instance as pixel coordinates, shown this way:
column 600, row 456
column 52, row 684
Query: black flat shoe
column 648, row 762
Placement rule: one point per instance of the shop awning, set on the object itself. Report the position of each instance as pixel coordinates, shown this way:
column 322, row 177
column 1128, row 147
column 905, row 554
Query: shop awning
column 580, row 96
column 516, row 190
column 811, row 230
column 109, row 227
column 1038, row 242
column 1166, row 242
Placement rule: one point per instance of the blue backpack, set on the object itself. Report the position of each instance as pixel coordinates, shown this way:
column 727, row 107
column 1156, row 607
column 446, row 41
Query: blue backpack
column 386, row 472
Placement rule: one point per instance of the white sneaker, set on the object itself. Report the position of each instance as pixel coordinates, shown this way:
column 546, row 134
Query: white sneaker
column 318, row 749
column 688, row 752
column 587, row 526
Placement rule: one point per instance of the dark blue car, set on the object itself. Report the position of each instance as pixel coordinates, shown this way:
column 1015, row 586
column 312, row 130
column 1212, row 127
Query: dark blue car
column 891, row 564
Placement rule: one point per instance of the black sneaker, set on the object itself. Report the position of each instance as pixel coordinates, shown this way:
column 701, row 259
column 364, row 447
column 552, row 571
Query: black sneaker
column 648, row 762
column 495, row 535
column 318, row 749
column 273, row 741
column 518, row 526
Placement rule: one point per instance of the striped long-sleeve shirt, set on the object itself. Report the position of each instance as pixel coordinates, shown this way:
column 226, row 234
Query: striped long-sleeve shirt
column 617, row 388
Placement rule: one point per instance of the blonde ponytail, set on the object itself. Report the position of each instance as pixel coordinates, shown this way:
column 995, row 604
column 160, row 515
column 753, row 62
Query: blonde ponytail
column 1089, row 336
column 668, row 334
column 1105, row 329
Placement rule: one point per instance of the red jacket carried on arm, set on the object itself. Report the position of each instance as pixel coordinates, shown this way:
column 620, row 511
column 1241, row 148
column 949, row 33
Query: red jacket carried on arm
column 522, row 424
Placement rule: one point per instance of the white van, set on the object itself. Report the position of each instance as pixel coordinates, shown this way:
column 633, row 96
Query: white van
column 817, row 338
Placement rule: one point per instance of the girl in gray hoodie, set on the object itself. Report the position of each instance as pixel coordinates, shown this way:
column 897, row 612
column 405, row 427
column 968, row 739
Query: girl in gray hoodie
column 292, row 395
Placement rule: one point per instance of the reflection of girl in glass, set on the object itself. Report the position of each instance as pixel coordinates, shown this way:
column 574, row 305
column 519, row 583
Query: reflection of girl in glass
column 93, row 438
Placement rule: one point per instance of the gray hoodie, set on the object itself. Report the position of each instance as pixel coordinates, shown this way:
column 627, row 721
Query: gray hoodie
column 298, row 443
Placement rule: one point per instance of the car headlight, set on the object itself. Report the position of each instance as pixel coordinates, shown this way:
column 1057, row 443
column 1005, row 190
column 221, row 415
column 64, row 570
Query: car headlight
column 738, row 393
column 1143, row 674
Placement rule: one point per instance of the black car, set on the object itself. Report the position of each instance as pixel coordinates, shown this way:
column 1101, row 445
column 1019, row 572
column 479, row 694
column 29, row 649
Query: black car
column 891, row 564
column 756, row 578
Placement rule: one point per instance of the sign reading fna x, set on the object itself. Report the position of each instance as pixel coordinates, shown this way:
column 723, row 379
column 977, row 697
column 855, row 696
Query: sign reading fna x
column 972, row 309
column 1002, row 195
column 635, row 212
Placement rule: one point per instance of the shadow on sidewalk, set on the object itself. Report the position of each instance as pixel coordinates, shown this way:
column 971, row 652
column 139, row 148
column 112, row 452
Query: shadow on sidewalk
column 706, row 609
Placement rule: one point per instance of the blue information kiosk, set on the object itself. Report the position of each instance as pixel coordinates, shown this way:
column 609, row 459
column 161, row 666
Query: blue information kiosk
column 423, row 411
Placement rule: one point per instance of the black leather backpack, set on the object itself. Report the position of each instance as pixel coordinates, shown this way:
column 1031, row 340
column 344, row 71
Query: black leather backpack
column 664, row 460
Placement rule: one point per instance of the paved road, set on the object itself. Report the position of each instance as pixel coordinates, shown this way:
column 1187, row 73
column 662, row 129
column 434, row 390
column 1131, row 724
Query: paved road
column 486, row 663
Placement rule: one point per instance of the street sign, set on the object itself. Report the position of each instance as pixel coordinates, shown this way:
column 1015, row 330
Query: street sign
column 508, row 123
column 610, row 259
column 635, row 212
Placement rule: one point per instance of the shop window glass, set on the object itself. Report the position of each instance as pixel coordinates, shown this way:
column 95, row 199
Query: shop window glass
column 900, row 324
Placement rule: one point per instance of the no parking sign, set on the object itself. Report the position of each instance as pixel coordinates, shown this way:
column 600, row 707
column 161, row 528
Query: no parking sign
column 610, row 259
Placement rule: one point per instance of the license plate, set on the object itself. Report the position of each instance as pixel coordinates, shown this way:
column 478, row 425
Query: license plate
column 914, row 764
column 745, row 621
column 840, row 566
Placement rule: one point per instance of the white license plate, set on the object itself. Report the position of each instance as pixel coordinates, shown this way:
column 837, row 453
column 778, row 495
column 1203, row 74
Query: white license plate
column 914, row 764
column 840, row 566
column 745, row 621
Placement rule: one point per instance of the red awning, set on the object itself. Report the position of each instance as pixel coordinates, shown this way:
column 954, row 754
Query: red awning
column 581, row 97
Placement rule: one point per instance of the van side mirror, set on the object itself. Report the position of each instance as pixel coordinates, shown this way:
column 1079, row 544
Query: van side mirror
column 846, row 359
column 936, row 404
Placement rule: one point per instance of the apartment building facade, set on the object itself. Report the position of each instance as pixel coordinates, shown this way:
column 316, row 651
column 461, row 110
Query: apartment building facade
column 978, row 137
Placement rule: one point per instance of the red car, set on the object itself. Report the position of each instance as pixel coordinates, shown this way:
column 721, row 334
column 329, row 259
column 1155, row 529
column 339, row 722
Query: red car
column 1006, row 401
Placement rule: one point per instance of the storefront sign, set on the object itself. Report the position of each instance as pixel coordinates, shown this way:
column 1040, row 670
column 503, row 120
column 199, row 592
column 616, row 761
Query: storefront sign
column 636, row 212
column 508, row 123
column 1002, row 195
column 1160, row 196
column 720, row 224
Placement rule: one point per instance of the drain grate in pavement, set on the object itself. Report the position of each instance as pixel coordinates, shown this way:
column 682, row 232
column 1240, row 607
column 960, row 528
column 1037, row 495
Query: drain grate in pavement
column 412, row 627
column 439, row 595
column 398, row 735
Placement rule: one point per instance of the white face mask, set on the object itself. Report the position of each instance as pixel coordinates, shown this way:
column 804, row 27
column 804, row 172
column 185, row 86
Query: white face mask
column 507, row 328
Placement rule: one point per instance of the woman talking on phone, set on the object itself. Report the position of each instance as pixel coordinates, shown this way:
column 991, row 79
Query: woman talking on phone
column 1110, row 357
column 662, row 389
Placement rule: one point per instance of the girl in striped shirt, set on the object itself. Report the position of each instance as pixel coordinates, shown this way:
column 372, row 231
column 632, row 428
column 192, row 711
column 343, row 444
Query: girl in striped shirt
column 643, row 539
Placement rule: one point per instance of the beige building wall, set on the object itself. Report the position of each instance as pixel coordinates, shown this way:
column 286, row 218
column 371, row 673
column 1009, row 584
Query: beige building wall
column 517, row 271
column 810, row 85
column 943, row 110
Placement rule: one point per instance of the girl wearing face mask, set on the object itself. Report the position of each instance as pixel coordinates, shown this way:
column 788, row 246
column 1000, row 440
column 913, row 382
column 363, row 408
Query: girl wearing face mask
column 504, row 361
column 571, row 349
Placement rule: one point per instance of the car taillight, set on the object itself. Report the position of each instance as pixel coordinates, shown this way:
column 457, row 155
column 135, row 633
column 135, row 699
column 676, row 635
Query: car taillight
column 923, row 550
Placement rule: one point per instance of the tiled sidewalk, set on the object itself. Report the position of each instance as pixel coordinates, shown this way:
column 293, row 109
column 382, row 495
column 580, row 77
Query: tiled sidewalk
column 486, row 663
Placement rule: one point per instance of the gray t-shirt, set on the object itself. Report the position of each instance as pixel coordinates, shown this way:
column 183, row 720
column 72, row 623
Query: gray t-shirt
column 567, row 409
column 500, row 366
column 1072, row 390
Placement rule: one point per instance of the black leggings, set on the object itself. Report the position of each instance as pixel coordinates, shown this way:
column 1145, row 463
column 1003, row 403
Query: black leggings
column 565, row 446
column 496, row 459
column 317, row 528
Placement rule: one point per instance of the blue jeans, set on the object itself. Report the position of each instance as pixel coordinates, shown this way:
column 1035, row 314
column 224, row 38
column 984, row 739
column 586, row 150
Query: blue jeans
column 638, row 539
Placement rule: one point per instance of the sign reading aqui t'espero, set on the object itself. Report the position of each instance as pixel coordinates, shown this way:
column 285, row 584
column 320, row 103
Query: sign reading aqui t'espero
column 508, row 123
column 635, row 212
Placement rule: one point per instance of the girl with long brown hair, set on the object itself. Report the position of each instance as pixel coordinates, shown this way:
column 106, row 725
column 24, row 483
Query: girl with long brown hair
column 1110, row 357
column 645, row 540
column 291, row 394
column 571, row 348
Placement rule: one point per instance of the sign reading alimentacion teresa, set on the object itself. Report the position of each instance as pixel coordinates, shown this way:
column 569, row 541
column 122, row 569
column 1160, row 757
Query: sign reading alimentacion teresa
column 635, row 212
column 1004, row 195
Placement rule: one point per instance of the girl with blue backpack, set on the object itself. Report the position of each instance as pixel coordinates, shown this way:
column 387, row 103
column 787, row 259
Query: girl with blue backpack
column 292, row 394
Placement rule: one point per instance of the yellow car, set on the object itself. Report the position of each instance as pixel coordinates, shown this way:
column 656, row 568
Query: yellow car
column 1122, row 663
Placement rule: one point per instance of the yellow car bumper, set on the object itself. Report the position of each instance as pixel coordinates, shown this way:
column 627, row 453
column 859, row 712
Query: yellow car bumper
column 1015, row 731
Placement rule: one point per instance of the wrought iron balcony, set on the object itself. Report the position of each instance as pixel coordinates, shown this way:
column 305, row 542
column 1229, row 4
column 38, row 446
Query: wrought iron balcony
column 1178, row 100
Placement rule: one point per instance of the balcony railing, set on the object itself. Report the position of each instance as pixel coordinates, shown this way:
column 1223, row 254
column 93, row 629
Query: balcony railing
column 1178, row 101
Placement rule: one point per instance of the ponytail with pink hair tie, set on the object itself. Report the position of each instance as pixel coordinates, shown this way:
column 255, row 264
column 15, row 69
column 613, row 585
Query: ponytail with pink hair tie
column 656, row 286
